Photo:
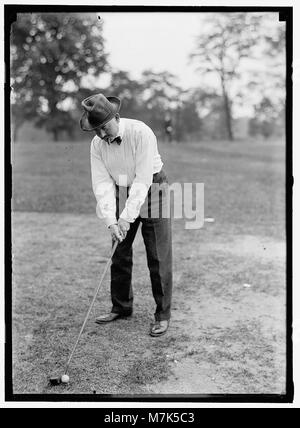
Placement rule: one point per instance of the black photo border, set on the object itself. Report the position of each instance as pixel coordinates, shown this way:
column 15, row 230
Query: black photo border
column 285, row 14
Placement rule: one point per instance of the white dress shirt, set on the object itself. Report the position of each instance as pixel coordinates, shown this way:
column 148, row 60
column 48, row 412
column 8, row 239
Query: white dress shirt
column 131, row 164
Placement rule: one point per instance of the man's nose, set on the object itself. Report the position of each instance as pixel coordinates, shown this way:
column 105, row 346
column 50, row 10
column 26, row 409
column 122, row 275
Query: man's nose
column 102, row 133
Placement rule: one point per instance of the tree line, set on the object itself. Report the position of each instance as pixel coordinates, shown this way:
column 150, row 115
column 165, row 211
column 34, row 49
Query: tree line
column 58, row 59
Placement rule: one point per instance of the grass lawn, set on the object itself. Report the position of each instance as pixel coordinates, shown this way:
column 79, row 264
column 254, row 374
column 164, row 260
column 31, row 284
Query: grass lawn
column 227, row 333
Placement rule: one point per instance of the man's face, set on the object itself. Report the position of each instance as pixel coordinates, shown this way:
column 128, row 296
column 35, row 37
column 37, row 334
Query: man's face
column 110, row 130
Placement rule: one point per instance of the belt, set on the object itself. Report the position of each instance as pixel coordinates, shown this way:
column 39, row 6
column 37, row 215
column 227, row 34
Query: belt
column 160, row 177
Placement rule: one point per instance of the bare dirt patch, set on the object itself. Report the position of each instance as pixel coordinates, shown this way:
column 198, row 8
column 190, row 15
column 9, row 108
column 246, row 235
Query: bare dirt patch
column 223, row 338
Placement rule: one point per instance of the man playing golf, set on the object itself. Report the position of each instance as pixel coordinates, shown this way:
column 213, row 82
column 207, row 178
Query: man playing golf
column 127, row 172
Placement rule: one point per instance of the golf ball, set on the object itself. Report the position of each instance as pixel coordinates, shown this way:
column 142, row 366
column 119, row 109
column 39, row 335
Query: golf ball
column 65, row 378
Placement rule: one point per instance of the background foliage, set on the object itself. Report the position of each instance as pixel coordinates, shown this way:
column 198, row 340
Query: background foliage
column 58, row 59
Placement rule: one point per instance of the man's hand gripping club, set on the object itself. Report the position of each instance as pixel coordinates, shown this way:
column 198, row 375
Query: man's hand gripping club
column 119, row 231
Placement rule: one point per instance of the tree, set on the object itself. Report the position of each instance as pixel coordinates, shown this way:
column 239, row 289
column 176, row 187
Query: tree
column 268, row 120
column 50, row 55
column 210, row 108
column 161, row 96
column 131, row 93
column 187, row 122
column 227, row 40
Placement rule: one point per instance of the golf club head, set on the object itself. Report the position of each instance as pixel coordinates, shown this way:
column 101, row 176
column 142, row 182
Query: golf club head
column 55, row 380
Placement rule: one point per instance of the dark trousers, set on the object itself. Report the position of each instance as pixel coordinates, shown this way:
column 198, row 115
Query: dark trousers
column 157, row 237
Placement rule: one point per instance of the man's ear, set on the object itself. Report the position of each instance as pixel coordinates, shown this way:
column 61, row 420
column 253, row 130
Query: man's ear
column 117, row 116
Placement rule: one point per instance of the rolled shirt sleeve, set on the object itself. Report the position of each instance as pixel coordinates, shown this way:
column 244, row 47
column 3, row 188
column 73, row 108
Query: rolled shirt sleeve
column 144, row 155
column 103, row 187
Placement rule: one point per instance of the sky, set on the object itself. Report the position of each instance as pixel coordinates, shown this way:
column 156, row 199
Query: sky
column 163, row 42
column 160, row 41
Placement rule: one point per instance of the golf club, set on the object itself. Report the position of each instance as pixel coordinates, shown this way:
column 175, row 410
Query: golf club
column 56, row 380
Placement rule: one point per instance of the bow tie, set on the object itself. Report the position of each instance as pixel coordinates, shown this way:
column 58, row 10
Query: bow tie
column 117, row 140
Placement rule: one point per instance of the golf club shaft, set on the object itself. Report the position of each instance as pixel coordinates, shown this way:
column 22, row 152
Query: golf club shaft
column 91, row 305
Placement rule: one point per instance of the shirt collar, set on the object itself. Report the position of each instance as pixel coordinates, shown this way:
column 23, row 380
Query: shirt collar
column 121, row 128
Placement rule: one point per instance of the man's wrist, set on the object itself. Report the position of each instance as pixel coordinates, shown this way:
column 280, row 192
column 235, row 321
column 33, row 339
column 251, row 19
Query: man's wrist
column 124, row 216
column 123, row 220
column 110, row 221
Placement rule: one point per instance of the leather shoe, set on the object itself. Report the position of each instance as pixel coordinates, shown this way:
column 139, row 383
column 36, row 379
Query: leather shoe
column 159, row 328
column 107, row 318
